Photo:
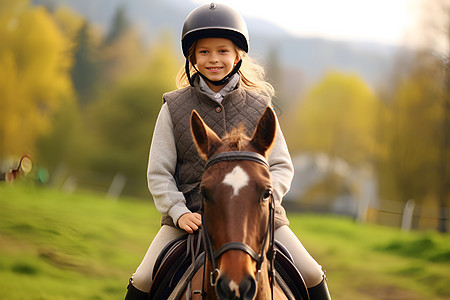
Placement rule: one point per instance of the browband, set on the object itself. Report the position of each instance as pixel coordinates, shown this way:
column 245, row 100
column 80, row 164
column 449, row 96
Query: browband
column 237, row 155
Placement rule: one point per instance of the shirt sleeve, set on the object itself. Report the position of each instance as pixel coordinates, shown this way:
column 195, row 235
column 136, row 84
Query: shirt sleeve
column 281, row 167
column 161, row 169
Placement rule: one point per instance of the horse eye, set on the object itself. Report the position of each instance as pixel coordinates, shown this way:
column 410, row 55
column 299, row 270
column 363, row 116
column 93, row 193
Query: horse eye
column 266, row 195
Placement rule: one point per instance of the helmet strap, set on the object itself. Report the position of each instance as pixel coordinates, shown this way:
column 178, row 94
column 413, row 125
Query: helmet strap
column 188, row 73
column 214, row 82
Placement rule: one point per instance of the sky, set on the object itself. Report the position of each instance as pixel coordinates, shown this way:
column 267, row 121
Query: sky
column 381, row 21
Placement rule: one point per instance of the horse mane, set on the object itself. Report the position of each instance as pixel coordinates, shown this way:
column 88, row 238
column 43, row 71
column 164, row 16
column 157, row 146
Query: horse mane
column 236, row 139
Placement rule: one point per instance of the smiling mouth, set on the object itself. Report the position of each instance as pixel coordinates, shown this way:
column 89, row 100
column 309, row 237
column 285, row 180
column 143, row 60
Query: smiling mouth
column 214, row 69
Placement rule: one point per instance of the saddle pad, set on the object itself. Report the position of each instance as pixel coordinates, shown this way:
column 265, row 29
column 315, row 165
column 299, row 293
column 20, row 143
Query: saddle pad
column 174, row 263
column 287, row 275
column 166, row 252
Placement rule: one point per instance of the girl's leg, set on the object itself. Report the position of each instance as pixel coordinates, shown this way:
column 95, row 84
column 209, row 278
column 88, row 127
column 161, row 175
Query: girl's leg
column 311, row 271
column 142, row 278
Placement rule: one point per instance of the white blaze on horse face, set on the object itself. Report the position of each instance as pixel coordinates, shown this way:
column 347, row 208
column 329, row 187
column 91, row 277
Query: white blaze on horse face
column 237, row 179
column 234, row 288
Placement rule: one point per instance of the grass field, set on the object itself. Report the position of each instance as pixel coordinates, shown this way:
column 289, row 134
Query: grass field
column 55, row 245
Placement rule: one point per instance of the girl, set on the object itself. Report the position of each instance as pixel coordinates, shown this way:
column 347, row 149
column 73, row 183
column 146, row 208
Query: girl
column 226, row 88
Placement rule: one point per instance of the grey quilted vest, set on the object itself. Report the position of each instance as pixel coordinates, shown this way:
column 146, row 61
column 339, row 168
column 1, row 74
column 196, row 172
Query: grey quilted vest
column 238, row 107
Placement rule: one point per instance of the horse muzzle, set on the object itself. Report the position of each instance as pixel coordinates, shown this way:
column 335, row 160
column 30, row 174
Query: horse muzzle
column 227, row 289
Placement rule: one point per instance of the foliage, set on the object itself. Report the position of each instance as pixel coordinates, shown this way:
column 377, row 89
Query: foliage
column 411, row 132
column 86, row 70
column 55, row 245
column 68, row 21
column 121, row 121
column 108, row 130
column 65, row 142
column 121, row 57
column 120, row 24
column 34, row 79
column 338, row 117
column 418, row 165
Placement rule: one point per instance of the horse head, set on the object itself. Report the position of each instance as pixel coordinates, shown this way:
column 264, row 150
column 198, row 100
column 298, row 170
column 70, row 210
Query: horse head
column 237, row 200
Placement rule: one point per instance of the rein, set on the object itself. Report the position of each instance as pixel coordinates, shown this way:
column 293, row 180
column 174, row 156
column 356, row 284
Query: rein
column 268, row 238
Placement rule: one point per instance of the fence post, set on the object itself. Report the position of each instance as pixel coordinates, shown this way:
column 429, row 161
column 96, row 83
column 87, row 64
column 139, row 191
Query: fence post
column 368, row 194
column 408, row 213
column 116, row 186
column 69, row 185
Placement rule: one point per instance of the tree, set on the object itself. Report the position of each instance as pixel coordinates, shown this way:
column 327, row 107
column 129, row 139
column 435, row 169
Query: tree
column 65, row 143
column 119, row 26
column 86, row 70
column 68, row 21
column 338, row 117
column 34, row 74
column 444, row 155
column 436, row 30
column 121, row 121
column 420, row 112
column 412, row 134
column 122, row 56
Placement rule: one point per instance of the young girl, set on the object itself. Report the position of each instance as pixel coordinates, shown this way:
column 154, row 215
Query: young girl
column 227, row 89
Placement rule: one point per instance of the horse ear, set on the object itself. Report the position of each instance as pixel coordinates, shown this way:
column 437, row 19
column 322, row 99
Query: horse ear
column 204, row 137
column 265, row 132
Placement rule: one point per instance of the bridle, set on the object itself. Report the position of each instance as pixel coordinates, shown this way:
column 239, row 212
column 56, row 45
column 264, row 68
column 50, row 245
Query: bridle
column 268, row 238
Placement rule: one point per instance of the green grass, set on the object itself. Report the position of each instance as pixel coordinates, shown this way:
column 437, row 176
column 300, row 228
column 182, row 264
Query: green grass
column 55, row 245
column 366, row 261
column 60, row 246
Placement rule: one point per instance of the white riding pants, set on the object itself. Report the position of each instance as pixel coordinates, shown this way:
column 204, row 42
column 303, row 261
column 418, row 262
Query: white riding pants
column 311, row 271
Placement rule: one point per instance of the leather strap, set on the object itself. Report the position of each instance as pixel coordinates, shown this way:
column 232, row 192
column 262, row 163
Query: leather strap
column 237, row 155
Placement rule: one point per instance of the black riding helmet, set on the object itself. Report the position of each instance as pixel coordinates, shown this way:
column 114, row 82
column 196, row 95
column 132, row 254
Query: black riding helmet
column 214, row 21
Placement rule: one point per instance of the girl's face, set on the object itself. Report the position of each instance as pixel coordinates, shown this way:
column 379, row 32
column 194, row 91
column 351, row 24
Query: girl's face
column 215, row 58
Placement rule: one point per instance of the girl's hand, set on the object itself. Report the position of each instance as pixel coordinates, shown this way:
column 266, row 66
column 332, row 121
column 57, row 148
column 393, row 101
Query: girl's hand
column 190, row 222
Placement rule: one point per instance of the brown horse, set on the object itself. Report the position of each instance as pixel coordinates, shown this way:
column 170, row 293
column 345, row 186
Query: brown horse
column 238, row 213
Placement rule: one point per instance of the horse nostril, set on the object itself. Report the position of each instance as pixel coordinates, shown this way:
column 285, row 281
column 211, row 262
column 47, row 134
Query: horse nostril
column 223, row 289
column 228, row 289
column 247, row 288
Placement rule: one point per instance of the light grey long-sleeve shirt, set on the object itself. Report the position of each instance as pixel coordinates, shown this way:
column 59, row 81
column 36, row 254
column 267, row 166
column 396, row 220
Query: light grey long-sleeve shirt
column 163, row 160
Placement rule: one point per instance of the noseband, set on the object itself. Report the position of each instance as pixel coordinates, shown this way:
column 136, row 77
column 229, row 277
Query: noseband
column 269, row 236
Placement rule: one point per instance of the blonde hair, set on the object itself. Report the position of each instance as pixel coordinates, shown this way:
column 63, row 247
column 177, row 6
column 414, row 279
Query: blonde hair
column 252, row 75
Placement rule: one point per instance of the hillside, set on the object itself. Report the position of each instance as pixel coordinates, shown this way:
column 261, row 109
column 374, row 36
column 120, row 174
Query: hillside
column 55, row 245
column 300, row 61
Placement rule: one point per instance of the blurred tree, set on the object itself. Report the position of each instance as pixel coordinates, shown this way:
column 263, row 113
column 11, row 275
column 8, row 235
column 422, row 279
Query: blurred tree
column 86, row 70
column 417, row 128
column 426, row 103
column 121, row 53
column 120, row 57
column 34, row 74
column 119, row 26
column 273, row 73
column 121, row 122
column 444, row 155
column 410, row 171
column 65, row 144
column 274, row 69
column 68, row 21
column 338, row 117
